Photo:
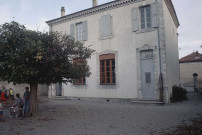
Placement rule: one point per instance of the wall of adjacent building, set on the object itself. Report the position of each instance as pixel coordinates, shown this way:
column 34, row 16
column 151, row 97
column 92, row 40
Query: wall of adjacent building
column 20, row 88
column 123, row 42
column 186, row 73
column 172, row 54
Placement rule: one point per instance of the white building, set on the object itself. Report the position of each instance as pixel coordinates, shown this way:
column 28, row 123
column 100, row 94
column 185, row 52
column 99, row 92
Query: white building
column 135, row 41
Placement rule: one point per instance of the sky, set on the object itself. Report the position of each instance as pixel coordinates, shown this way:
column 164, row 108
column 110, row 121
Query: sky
column 34, row 13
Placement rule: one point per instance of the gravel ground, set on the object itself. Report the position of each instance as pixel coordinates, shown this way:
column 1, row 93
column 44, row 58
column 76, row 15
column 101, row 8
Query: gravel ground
column 98, row 117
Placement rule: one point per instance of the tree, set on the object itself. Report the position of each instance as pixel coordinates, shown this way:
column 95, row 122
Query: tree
column 39, row 58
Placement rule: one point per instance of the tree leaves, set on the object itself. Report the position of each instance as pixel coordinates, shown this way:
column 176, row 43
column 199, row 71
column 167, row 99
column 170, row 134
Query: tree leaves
column 33, row 57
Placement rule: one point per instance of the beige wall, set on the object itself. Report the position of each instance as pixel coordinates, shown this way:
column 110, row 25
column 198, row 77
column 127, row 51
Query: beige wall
column 124, row 43
column 187, row 70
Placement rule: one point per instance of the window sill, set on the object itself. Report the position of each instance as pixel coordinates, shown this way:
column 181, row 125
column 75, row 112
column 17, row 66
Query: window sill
column 145, row 30
column 108, row 37
column 108, row 86
column 83, row 41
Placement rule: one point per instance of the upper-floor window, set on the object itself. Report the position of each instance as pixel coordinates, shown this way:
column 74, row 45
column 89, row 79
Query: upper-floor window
column 81, row 31
column 106, row 25
column 145, row 17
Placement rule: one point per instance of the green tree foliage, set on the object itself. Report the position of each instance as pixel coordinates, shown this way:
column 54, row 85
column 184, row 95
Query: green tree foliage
column 40, row 58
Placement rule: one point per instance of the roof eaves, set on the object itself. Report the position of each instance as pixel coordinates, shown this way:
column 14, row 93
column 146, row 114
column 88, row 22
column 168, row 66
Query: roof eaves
column 172, row 11
column 93, row 10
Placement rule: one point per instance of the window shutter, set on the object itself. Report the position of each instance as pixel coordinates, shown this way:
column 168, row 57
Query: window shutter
column 135, row 22
column 102, row 26
column 108, row 27
column 154, row 15
column 84, row 31
column 72, row 30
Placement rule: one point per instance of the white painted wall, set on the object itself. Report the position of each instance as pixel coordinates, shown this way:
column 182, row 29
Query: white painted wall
column 123, row 43
column 172, row 54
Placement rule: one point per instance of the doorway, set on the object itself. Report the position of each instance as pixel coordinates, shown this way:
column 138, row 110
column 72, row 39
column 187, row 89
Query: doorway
column 147, row 74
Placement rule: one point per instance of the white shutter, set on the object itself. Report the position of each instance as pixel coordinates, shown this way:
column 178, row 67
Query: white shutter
column 102, row 26
column 135, row 21
column 154, row 15
column 84, row 31
column 108, row 26
column 72, row 30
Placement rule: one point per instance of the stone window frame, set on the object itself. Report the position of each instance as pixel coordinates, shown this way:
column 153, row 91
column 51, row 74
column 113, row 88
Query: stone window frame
column 113, row 86
column 145, row 17
column 111, row 79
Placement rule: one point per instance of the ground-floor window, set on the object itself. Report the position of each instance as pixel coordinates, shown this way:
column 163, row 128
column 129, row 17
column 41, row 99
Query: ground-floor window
column 82, row 80
column 107, row 69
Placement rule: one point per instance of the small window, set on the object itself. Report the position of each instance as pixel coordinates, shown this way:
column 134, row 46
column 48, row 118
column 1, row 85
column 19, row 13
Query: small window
column 145, row 17
column 81, row 81
column 107, row 69
column 147, row 54
column 148, row 77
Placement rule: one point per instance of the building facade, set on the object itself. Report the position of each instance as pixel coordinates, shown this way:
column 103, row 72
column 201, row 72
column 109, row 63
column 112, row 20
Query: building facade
column 135, row 41
column 189, row 65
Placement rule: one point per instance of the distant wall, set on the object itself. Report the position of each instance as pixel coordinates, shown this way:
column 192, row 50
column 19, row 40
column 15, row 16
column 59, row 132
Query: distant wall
column 20, row 88
column 186, row 73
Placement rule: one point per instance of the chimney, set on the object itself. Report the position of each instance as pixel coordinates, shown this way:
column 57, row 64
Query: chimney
column 62, row 11
column 94, row 3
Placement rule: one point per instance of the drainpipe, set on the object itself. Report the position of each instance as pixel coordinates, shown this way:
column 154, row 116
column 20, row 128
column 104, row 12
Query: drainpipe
column 160, row 86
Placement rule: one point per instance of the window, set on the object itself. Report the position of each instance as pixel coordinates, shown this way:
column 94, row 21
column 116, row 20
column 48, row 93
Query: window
column 145, row 16
column 82, row 80
column 148, row 54
column 107, row 69
column 81, row 31
column 106, row 25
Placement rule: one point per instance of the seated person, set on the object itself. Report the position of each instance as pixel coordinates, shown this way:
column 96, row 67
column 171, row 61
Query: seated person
column 19, row 100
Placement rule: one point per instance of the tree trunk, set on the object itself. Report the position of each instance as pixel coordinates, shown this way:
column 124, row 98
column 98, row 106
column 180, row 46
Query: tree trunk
column 34, row 101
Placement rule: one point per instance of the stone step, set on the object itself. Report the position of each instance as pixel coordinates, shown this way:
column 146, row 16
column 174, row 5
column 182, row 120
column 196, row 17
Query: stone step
column 146, row 102
column 59, row 97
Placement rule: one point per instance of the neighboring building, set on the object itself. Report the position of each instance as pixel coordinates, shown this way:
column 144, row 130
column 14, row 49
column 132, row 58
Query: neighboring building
column 135, row 41
column 20, row 88
column 189, row 65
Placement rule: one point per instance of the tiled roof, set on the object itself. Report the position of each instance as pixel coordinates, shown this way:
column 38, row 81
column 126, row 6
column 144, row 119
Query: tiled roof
column 193, row 57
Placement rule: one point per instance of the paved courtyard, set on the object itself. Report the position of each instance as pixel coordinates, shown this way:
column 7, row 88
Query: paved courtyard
column 98, row 117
